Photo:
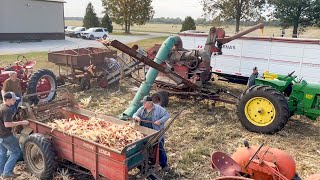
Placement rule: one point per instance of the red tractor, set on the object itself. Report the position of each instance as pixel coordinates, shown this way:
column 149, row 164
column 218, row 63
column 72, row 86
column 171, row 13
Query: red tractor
column 42, row 81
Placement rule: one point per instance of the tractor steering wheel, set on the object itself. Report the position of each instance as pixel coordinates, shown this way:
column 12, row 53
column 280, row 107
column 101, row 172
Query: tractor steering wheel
column 289, row 75
column 22, row 58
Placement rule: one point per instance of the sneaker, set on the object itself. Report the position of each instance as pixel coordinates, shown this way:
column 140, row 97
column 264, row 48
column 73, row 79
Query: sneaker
column 11, row 176
column 166, row 169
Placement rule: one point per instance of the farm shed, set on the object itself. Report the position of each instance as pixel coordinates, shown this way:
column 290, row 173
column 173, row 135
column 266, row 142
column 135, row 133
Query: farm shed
column 31, row 19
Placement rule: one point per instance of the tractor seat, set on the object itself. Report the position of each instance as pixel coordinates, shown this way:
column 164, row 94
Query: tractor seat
column 225, row 164
column 29, row 64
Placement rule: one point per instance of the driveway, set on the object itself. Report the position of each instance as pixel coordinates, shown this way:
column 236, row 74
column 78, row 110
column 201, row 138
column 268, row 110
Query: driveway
column 68, row 43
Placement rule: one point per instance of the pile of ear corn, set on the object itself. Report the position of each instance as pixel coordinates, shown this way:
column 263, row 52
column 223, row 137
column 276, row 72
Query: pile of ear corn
column 100, row 131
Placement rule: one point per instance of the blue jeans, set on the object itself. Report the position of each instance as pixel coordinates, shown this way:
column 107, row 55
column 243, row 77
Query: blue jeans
column 10, row 144
column 162, row 154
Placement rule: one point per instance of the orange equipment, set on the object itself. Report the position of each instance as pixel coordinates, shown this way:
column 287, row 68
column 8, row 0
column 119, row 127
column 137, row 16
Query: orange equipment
column 255, row 162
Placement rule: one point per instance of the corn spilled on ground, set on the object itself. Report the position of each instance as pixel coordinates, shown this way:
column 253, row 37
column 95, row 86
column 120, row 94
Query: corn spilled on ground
column 100, row 131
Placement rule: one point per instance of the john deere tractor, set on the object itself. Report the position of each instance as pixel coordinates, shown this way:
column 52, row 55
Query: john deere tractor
column 267, row 106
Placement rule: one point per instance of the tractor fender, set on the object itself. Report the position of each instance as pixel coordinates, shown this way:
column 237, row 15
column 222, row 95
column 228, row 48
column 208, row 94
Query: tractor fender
column 24, row 134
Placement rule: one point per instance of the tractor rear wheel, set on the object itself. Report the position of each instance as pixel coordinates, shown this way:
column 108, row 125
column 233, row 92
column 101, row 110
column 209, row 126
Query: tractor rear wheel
column 263, row 109
column 161, row 98
column 39, row 156
column 41, row 81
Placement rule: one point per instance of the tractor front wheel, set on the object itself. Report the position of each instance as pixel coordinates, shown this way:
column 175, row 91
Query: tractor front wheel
column 39, row 156
column 263, row 109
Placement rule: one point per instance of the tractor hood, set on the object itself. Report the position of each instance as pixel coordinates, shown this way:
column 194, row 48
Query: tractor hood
column 275, row 83
column 310, row 87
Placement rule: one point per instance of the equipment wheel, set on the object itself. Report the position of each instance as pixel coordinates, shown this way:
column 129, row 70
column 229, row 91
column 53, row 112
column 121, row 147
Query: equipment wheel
column 263, row 109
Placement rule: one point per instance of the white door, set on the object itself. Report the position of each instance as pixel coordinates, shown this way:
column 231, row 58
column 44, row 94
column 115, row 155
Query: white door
column 99, row 33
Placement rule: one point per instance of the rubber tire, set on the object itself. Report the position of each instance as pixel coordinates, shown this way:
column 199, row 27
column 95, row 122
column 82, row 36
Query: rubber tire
column 275, row 97
column 33, row 81
column 104, row 36
column 48, row 155
column 78, row 35
column 296, row 177
column 85, row 84
column 91, row 37
column 162, row 96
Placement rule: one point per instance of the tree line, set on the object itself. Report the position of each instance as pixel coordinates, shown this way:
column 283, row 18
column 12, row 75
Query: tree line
column 298, row 14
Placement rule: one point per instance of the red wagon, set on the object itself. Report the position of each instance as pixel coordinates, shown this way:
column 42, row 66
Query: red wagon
column 84, row 64
column 43, row 146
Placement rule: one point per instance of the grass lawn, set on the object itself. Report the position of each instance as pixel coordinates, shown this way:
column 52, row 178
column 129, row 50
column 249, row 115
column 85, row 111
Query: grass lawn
column 42, row 57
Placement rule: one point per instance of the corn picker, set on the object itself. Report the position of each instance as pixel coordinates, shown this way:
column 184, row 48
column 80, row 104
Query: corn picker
column 267, row 106
column 187, row 71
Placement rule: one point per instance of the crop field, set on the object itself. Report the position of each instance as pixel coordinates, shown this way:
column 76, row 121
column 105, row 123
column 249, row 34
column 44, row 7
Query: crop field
column 269, row 31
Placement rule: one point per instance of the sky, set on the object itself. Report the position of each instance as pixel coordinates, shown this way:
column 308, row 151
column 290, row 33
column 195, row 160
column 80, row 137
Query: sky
column 163, row 8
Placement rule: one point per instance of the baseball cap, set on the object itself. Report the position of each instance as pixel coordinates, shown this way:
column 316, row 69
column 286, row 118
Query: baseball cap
column 10, row 95
column 146, row 98
column 255, row 68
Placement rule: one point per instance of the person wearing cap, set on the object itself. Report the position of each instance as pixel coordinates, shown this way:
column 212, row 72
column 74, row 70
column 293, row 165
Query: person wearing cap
column 12, row 84
column 157, row 116
column 255, row 74
column 8, row 142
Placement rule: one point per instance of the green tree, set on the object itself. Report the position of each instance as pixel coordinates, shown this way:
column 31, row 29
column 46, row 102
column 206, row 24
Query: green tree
column 129, row 12
column 298, row 14
column 234, row 9
column 90, row 18
column 106, row 22
column 188, row 24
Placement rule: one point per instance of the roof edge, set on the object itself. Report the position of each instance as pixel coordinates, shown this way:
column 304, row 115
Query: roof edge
column 58, row 1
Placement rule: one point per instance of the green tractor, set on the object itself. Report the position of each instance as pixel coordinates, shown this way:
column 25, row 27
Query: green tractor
column 267, row 106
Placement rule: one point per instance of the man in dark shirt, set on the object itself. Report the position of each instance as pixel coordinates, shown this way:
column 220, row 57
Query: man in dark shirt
column 255, row 74
column 7, row 141
column 12, row 84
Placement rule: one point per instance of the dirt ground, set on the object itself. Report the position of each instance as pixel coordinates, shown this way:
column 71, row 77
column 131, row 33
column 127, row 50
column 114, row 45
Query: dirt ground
column 202, row 129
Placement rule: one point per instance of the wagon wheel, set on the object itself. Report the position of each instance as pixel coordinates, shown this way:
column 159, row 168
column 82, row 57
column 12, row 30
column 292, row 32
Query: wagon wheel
column 161, row 98
column 85, row 83
column 39, row 156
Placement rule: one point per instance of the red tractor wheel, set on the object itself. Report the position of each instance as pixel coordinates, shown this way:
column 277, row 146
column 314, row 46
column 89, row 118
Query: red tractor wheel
column 42, row 81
